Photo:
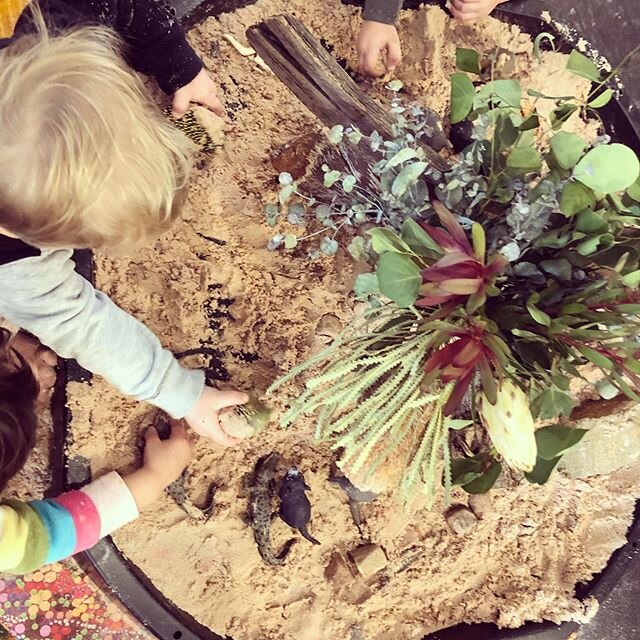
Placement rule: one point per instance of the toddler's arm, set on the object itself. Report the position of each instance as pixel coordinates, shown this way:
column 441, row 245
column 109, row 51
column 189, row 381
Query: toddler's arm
column 45, row 531
column 44, row 295
column 157, row 46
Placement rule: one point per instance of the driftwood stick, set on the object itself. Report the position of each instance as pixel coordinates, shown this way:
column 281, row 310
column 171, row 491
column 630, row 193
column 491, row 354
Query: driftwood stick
column 319, row 82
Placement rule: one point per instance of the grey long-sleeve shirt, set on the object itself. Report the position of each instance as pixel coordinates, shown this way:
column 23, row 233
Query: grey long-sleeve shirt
column 382, row 10
column 44, row 295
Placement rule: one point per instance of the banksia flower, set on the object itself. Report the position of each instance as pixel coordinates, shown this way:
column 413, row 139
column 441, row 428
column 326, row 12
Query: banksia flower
column 509, row 424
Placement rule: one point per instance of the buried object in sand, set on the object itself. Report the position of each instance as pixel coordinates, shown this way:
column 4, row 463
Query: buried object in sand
column 354, row 495
column 295, row 508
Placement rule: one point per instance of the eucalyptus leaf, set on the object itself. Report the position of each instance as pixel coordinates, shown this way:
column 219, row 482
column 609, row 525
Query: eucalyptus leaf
column 331, row 177
column 407, row 178
column 328, row 246
column 335, row 134
column 286, row 192
column 634, row 191
column 567, row 149
column 505, row 93
column 525, row 159
column 576, row 197
column 399, row 278
column 558, row 267
column 529, row 123
column 348, row 182
column 285, row 178
column 580, row 65
column 462, row 95
column 402, row 156
column 601, row 100
column 366, row 284
column 608, row 168
column 272, row 213
column 356, row 249
column 290, row 241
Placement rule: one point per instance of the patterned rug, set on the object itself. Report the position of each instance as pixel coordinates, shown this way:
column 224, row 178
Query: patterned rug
column 61, row 602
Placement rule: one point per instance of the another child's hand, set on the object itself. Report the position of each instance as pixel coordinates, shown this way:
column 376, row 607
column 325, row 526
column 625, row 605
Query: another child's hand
column 163, row 462
column 377, row 39
column 203, row 418
column 471, row 10
column 201, row 90
column 167, row 459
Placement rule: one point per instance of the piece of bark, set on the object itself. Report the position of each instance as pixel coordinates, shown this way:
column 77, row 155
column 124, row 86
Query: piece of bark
column 314, row 76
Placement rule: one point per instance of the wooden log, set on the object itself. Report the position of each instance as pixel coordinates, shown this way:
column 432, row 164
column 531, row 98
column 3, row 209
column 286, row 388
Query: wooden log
column 319, row 82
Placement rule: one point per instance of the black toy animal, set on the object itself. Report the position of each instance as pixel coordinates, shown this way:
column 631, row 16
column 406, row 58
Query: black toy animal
column 295, row 508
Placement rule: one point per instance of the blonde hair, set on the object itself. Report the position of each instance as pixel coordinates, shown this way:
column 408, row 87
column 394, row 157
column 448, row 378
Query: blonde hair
column 86, row 158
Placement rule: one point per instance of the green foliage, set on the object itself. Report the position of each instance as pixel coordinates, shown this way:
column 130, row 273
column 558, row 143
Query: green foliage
column 525, row 268
column 608, row 168
column 553, row 442
column 384, row 353
column 462, row 96
column 468, row 60
column 399, row 278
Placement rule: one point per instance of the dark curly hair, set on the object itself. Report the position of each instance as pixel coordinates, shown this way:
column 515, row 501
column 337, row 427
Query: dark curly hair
column 18, row 394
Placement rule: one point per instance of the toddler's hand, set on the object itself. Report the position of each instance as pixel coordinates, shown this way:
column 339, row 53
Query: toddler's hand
column 201, row 90
column 375, row 39
column 165, row 460
column 467, row 11
column 204, row 417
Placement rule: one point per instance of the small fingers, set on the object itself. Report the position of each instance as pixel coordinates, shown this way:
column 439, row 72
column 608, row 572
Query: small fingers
column 212, row 102
column 394, row 55
column 230, row 398
column 370, row 63
column 180, row 104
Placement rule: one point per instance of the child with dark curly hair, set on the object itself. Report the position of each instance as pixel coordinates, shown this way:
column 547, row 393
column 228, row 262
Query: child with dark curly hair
column 43, row 531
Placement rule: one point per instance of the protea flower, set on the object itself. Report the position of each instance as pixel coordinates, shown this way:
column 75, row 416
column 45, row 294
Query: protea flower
column 461, row 275
column 469, row 349
column 509, row 424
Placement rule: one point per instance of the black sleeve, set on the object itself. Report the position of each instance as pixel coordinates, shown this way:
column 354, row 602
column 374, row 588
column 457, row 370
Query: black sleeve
column 156, row 42
column 382, row 10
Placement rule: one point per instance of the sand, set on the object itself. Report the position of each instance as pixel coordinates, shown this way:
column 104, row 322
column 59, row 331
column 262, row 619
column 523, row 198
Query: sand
column 211, row 282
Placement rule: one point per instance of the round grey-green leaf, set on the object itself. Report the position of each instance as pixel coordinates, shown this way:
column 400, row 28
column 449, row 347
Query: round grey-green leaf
column 608, row 168
column 407, row 178
column 399, row 278
column 567, row 148
column 328, row 246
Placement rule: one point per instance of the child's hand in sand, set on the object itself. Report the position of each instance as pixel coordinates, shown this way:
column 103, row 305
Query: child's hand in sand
column 201, row 90
column 204, row 417
column 163, row 463
column 471, row 10
column 377, row 42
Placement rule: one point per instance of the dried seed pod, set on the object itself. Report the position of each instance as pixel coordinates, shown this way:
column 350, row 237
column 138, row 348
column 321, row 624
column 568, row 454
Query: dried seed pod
column 245, row 420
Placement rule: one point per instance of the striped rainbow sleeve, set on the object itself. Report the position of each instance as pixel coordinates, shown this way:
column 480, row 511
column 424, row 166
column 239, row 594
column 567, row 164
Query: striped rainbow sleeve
column 36, row 533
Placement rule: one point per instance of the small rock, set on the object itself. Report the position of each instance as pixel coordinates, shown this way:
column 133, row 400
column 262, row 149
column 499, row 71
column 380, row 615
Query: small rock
column 329, row 326
column 480, row 504
column 369, row 559
column 338, row 572
column 460, row 519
